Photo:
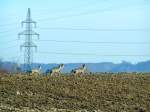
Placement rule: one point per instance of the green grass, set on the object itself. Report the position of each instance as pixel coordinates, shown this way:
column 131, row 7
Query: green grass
column 103, row 92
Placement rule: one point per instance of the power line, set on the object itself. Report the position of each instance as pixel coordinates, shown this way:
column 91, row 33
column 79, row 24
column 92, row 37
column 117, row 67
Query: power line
column 96, row 42
column 84, row 13
column 6, row 31
column 88, row 29
column 96, row 29
column 69, row 16
column 7, row 51
column 10, row 47
column 17, row 58
column 14, row 23
column 8, row 24
column 6, row 42
column 85, row 5
column 102, row 55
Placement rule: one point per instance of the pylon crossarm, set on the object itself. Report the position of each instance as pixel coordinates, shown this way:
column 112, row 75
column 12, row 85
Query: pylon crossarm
column 36, row 34
column 30, row 32
column 29, row 22
column 26, row 44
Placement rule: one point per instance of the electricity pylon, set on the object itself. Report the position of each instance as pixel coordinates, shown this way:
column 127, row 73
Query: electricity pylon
column 28, row 45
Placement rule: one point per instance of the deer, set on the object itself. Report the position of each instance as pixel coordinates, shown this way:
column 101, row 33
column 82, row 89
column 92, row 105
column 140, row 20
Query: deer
column 56, row 70
column 80, row 71
column 35, row 72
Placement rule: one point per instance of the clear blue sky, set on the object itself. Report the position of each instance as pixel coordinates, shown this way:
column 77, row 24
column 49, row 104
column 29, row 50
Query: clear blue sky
column 96, row 14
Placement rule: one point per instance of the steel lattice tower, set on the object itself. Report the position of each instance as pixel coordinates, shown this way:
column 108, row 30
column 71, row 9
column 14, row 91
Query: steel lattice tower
column 28, row 45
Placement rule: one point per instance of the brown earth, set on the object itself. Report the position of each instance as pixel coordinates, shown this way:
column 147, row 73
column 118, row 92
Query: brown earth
column 93, row 93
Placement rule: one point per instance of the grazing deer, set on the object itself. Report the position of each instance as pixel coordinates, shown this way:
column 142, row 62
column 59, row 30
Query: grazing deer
column 80, row 71
column 56, row 70
column 36, row 71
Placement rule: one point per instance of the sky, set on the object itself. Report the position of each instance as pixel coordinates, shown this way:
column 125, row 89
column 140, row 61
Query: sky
column 75, row 26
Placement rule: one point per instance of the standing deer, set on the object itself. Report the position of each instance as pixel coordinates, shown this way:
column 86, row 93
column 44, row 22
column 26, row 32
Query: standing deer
column 56, row 70
column 80, row 71
column 36, row 72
